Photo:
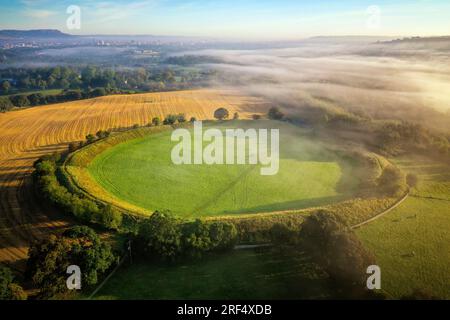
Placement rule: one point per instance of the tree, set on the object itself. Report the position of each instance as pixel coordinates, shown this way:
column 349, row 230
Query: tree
column 275, row 114
column 193, row 119
column 73, row 146
column 98, row 92
column 236, row 116
column 200, row 237
column 221, row 114
column 5, row 104
column 161, row 235
column 282, row 235
column 392, row 181
column 170, row 119
column 110, row 217
column 6, row 86
column 35, row 98
column 20, row 101
column 8, row 289
column 102, row 134
column 335, row 248
column 412, row 180
column 181, row 118
column 73, row 95
column 156, row 121
column 90, row 138
column 223, row 235
column 49, row 259
column 256, row 116
column 196, row 238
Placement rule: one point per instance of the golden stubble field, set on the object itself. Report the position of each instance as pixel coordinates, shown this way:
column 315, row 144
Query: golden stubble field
column 25, row 135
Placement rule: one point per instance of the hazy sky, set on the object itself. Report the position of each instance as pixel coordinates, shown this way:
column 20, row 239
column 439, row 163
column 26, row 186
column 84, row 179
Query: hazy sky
column 255, row 19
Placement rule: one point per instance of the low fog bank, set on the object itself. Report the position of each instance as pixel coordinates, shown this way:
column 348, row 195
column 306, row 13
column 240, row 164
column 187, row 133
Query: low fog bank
column 383, row 80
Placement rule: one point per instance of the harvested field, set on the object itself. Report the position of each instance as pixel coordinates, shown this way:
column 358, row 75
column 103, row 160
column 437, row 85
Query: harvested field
column 27, row 134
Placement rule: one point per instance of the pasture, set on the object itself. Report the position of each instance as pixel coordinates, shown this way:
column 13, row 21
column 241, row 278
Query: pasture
column 260, row 275
column 412, row 243
column 141, row 172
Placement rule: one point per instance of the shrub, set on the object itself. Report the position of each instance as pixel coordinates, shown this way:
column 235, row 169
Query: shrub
column 256, row 116
column 8, row 289
column 20, row 101
column 73, row 146
column 102, row 134
column 5, row 104
column 181, row 118
column 170, row 119
column 275, row 114
column 90, row 138
column 156, row 121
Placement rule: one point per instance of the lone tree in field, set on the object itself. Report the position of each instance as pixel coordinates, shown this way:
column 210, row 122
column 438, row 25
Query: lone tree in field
column 275, row 114
column 236, row 116
column 221, row 114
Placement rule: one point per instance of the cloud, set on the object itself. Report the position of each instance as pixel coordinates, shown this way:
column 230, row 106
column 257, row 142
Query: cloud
column 384, row 81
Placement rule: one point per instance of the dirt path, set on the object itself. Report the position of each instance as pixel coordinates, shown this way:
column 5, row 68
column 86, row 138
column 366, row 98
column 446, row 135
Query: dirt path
column 26, row 135
column 395, row 205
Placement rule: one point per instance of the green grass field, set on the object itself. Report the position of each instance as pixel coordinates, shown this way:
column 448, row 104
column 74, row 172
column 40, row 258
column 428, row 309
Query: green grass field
column 412, row 243
column 46, row 92
column 141, row 172
column 261, row 275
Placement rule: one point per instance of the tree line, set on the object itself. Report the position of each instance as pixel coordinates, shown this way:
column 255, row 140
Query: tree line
column 87, row 82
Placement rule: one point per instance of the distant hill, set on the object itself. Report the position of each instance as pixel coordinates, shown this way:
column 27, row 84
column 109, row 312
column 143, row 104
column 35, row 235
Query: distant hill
column 349, row 39
column 39, row 33
column 420, row 39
